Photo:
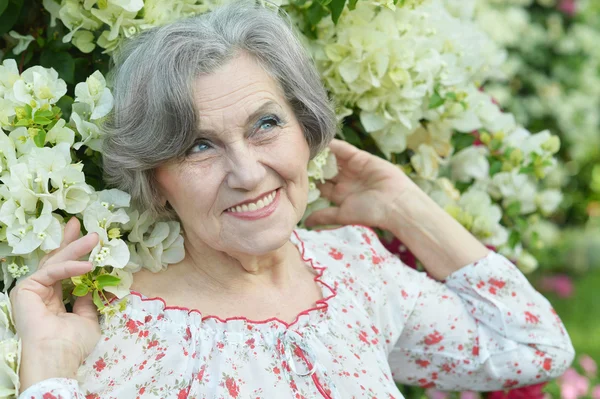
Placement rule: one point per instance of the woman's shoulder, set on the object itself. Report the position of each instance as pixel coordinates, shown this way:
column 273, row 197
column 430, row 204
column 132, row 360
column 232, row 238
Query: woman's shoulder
column 350, row 247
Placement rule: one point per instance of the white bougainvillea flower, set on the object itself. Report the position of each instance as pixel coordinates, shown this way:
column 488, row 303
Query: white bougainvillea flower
column 95, row 93
column 514, row 187
column 43, row 232
column 7, row 113
column 323, row 166
column 112, row 199
column 24, row 42
column 470, row 163
column 124, row 286
column 8, row 156
column 10, row 350
column 9, row 74
column 548, row 201
column 90, row 132
column 22, row 138
column 486, row 216
column 153, row 245
column 426, row 162
column 39, row 86
column 111, row 249
column 60, row 134
column 72, row 192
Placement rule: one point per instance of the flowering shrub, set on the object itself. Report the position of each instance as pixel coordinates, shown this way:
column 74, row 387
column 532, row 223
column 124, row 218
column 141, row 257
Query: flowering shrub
column 416, row 81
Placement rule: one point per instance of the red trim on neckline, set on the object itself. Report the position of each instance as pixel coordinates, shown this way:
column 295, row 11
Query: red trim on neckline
column 320, row 305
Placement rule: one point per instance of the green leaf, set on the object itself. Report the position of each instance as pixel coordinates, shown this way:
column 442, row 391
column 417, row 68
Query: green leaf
column 106, row 280
column 10, row 15
column 45, row 114
column 351, row 136
column 436, row 100
column 495, row 167
column 81, row 290
column 513, row 209
column 65, row 104
column 352, row 4
column 514, row 239
column 461, row 141
column 97, row 301
column 62, row 62
column 526, row 170
column 23, row 122
column 40, row 138
column 3, row 5
column 41, row 120
column 336, row 7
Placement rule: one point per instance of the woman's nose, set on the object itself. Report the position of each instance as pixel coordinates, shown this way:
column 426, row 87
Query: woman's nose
column 245, row 170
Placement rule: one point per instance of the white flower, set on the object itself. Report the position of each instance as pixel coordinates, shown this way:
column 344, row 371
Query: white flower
column 95, row 93
column 39, row 86
column 470, row 163
column 548, row 201
column 9, row 74
column 84, row 41
column 124, row 286
column 426, row 162
column 89, row 131
column 23, row 43
column 514, row 187
column 60, row 134
column 43, row 232
column 486, row 216
column 111, row 250
column 10, row 351
column 153, row 245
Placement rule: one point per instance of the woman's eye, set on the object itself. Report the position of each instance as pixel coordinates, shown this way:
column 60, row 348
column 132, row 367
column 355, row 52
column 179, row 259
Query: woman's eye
column 268, row 123
column 199, row 146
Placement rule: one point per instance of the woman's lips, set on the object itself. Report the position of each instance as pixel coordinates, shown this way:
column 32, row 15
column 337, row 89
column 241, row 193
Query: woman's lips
column 259, row 213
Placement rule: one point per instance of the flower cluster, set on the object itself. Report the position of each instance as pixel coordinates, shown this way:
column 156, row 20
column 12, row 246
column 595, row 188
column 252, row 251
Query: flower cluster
column 10, row 350
column 413, row 75
column 42, row 159
column 106, row 22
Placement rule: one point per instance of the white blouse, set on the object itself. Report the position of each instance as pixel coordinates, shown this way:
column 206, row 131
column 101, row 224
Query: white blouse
column 379, row 322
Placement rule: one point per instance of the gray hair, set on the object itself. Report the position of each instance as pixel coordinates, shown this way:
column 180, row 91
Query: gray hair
column 154, row 119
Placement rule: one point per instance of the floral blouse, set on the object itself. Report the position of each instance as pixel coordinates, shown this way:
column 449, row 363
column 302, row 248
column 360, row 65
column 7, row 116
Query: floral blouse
column 379, row 322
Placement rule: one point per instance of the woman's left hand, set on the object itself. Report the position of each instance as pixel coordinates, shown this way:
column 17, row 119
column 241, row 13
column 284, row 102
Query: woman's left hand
column 364, row 191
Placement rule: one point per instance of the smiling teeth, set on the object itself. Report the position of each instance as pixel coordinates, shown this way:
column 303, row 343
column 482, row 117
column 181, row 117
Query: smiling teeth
column 261, row 203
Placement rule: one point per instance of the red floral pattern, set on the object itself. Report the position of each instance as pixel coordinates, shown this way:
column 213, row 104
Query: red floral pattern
column 485, row 328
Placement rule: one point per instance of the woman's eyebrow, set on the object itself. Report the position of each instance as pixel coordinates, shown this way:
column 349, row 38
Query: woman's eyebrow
column 265, row 107
column 268, row 106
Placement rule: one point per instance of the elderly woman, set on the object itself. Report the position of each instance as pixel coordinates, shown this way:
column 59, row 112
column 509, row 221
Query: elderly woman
column 216, row 118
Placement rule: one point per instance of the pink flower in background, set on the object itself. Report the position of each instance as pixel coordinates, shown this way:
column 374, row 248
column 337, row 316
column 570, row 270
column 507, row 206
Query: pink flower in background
column 588, row 365
column 435, row 394
column 396, row 247
column 568, row 7
column 561, row 284
column 528, row 392
column 573, row 385
column 596, row 392
column 469, row 395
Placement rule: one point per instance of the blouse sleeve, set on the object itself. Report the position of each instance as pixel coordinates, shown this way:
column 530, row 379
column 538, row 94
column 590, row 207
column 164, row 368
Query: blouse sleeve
column 54, row 388
column 484, row 328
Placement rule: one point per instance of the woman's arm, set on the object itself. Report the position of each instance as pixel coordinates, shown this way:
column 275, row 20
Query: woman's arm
column 440, row 242
column 64, row 388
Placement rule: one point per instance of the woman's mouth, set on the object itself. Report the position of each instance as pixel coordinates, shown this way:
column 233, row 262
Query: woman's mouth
column 258, row 209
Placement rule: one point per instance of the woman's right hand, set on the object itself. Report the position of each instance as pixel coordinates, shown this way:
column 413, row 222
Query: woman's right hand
column 54, row 341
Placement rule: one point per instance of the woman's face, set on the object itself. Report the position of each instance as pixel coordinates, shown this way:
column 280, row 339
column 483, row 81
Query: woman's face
column 251, row 148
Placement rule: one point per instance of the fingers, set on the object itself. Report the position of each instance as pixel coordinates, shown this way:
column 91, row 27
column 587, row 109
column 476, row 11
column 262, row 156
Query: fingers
column 323, row 217
column 76, row 249
column 54, row 273
column 343, row 150
column 84, row 306
column 70, row 234
column 328, row 191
